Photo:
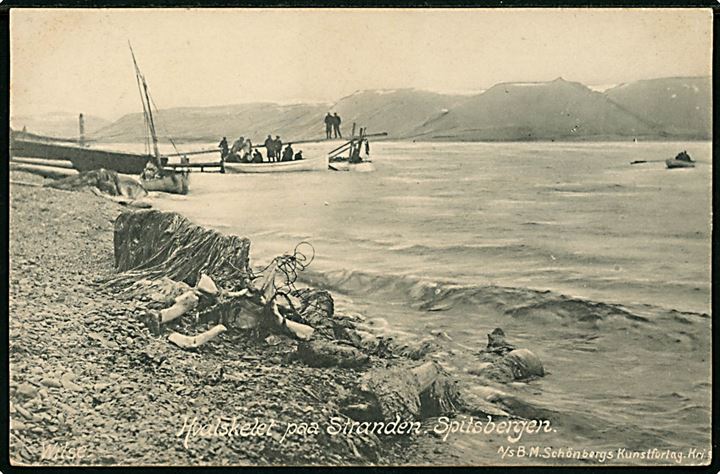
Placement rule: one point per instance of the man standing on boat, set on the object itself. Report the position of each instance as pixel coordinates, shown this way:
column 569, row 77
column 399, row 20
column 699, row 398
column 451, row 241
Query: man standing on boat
column 278, row 148
column 270, row 147
column 328, row 125
column 223, row 145
column 336, row 125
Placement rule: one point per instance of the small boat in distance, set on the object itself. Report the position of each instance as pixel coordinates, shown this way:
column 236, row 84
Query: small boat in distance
column 672, row 163
column 682, row 160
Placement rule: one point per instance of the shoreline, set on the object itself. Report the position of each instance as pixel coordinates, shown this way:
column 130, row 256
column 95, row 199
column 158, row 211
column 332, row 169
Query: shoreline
column 559, row 141
column 90, row 385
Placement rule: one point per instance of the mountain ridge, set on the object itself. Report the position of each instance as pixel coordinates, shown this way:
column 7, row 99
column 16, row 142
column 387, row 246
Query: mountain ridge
column 663, row 108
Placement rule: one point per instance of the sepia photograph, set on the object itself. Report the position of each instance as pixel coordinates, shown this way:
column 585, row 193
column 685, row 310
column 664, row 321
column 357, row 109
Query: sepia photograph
column 360, row 237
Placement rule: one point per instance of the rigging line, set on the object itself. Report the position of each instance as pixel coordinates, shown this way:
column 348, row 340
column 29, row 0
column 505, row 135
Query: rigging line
column 148, row 115
column 149, row 109
column 145, row 120
column 152, row 123
column 139, row 78
column 164, row 129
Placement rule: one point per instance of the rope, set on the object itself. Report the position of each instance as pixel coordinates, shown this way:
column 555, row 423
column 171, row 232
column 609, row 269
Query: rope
column 145, row 118
column 167, row 135
column 290, row 265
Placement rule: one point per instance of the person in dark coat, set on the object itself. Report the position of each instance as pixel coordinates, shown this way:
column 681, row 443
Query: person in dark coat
column 288, row 154
column 223, row 145
column 270, row 147
column 683, row 156
column 336, row 125
column 278, row 148
column 257, row 156
column 329, row 120
column 298, row 156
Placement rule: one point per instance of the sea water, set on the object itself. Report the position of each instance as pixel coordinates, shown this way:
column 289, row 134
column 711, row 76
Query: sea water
column 599, row 267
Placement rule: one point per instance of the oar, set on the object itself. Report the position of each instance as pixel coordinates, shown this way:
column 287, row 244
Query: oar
column 196, row 152
column 339, row 151
column 365, row 135
column 637, row 162
column 342, row 146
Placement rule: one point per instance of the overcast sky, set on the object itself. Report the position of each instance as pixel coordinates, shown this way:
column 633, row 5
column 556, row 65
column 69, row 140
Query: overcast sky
column 78, row 60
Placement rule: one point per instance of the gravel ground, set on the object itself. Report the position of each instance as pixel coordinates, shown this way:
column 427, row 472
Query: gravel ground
column 89, row 384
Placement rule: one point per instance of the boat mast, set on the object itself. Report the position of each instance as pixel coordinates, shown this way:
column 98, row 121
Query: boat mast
column 147, row 109
column 146, row 126
column 81, row 124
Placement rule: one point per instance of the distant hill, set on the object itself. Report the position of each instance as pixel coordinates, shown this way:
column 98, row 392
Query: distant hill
column 254, row 121
column 670, row 108
column 679, row 105
column 58, row 124
column 559, row 110
column 398, row 112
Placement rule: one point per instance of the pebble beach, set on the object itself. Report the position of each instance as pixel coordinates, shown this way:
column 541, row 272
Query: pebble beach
column 90, row 385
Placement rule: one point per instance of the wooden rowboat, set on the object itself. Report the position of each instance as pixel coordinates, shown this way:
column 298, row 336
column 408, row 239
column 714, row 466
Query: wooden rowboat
column 319, row 163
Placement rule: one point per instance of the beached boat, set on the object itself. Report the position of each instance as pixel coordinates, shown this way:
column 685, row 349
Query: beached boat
column 38, row 153
column 82, row 158
column 319, row 163
column 672, row 163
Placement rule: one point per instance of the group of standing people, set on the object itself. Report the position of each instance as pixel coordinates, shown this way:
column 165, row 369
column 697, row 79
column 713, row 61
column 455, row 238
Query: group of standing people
column 332, row 125
column 275, row 150
column 243, row 151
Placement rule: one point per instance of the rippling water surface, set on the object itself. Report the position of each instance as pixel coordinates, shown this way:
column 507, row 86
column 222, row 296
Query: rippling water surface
column 599, row 267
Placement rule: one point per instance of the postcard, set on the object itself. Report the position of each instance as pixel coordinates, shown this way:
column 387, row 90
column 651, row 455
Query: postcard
column 341, row 237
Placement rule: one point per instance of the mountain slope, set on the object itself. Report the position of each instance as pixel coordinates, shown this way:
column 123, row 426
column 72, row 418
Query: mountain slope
column 680, row 105
column 255, row 121
column 399, row 112
column 538, row 111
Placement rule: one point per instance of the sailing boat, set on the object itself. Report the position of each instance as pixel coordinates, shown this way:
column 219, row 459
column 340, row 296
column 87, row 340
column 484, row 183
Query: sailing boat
column 155, row 176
